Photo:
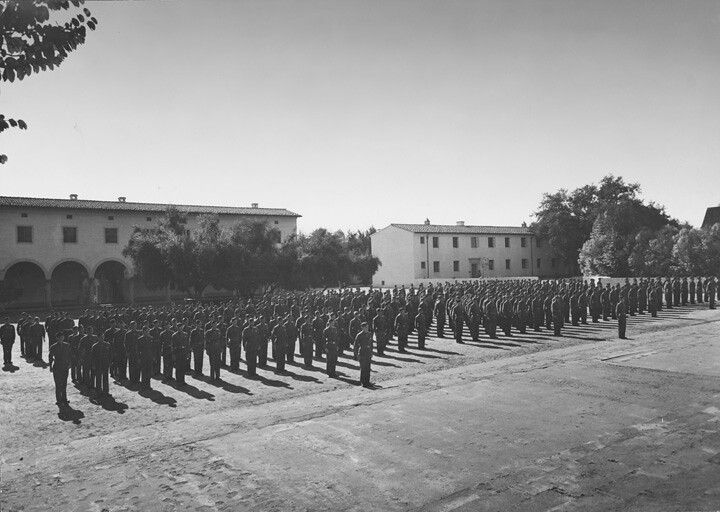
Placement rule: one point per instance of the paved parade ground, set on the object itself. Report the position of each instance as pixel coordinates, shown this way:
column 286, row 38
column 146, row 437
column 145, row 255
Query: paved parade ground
column 532, row 422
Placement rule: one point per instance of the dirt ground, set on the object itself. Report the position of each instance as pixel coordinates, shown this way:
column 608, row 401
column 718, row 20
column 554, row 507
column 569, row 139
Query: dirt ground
column 531, row 422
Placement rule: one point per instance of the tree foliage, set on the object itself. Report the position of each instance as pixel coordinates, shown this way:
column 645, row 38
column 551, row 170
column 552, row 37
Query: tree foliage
column 38, row 35
column 594, row 227
column 246, row 256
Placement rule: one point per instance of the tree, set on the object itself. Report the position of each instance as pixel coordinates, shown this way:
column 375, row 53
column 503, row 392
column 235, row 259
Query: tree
column 687, row 258
column 710, row 249
column 34, row 38
column 567, row 221
column 600, row 253
column 659, row 254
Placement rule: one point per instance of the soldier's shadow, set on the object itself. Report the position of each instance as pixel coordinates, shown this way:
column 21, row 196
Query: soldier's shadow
column 342, row 377
column 158, row 397
column 110, row 404
column 302, row 378
column 223, row 384
column 191, row 390
column 67, row 413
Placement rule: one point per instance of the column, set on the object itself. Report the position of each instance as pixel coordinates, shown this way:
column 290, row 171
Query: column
column 131, row 290
column 48, row 294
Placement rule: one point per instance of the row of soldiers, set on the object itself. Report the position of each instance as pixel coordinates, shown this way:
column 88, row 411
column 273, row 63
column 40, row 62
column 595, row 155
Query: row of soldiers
column 138, row 343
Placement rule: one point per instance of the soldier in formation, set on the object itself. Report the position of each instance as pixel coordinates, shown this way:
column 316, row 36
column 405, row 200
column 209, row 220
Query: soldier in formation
column 136, row 343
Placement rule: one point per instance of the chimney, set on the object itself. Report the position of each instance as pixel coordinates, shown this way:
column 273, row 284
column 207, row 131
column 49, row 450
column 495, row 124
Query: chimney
column 427, row 222
column 254, row 205
column 73, row 197
column 460, row 223
column 121, row 199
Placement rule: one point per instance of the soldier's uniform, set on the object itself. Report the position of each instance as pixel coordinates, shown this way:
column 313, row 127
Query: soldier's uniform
column 363, row 353
column 279, row 345
column 146, row 355
column 234, row 340
column 213, row 342
column 401, row 329
column 180, row 349
column 167, row 353
column 100, row 353
column 250, row 344
column 306, row 343
column 60, row 361
column 7, row 340
column 440, row 317
column 197, row 344
column 622, row 319
column 557, row 315
column 421, row 327
column 332, row 345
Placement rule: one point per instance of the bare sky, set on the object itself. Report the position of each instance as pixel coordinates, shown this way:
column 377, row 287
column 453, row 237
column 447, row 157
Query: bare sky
column 354, row 113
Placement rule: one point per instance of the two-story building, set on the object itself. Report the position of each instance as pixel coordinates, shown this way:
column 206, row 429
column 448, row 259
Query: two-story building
column 411, row 252
column 61, row 252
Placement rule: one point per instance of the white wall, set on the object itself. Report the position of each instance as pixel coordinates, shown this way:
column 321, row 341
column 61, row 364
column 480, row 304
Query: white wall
column 394, row 247
column 403, row 253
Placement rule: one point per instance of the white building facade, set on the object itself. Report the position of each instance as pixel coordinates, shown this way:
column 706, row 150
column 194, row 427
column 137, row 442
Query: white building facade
column 63, row 252
column 410, row 253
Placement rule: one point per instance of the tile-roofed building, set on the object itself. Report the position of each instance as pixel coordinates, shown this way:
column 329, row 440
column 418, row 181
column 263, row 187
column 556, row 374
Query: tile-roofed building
column 465, row 229
column 712, row 217
column 411, row 253
column 60, row 252
column 125, row 206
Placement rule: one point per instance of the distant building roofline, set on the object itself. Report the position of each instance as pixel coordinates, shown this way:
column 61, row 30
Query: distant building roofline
column 127, row 206
column 464, row 229
column 712, row 217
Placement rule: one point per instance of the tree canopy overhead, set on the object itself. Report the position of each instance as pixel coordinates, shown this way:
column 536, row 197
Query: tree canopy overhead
column 38, row 35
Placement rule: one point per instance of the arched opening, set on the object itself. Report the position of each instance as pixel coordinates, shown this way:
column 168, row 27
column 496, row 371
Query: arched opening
column 25, row 285
column 69, row 284
column 110, row 277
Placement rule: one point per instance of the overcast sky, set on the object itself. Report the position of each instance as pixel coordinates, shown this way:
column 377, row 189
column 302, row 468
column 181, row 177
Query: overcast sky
column 359, row 113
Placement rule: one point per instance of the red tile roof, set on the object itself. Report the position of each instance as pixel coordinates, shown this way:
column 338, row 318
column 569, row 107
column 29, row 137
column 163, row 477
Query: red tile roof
column 87, row 204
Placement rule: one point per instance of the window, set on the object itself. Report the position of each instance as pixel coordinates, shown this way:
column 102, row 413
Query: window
column 69, row 235
column 507, row 241
column 111, row 217
column 455, row 242
column 523, row 242
column 149, row 219
column 111, row 235
column 24, row 234
column 491, row 264
column 456, row 266
column 68, row 216
column 473, row 242
column 491, row 241
column 436, row 242
column 422, row 240
column 436, row 266
column 473, row 270
column 538, row 242
column 553, row 262
column 507, row 264
column 276, row 222
column 422, row 265
column 523, row 263
column 23, row 215
column 537, row 263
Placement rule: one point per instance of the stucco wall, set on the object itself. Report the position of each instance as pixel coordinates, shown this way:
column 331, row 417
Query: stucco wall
column 48, row 249
column 394, row 248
